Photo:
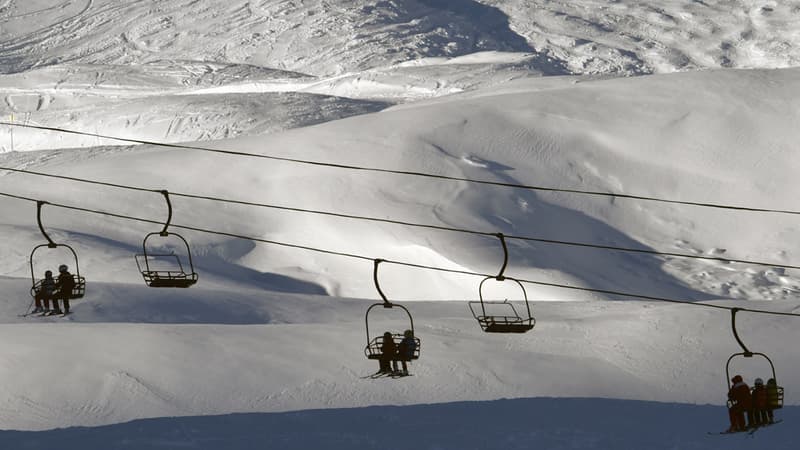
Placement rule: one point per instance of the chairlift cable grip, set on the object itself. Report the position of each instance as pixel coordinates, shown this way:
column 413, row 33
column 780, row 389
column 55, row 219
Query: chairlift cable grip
column 747, row 352
column 386, row 302
column 39, row 204
column 165, row 193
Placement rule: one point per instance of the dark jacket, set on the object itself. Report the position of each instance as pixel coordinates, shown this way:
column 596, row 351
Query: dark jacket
column 48, row 286
column 740, row 395
column 388, row 347
column 407, row 347
column 759, row 397
column 65, row 283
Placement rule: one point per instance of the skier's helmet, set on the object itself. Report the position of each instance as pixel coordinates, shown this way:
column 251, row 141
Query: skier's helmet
column 62, row 268
column 759, row 382
column 48, row 273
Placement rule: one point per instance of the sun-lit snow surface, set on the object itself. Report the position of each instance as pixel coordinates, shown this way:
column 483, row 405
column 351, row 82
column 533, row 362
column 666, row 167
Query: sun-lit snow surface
column 444, row 87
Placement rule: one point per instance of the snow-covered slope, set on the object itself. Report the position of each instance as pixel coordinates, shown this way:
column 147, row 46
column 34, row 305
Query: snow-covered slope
column 450, row 88
column 149, row 353
column 623, row 135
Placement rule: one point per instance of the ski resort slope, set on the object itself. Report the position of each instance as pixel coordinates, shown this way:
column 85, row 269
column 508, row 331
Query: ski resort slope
column 278, row 332
column 713, row 137
column 324, row 38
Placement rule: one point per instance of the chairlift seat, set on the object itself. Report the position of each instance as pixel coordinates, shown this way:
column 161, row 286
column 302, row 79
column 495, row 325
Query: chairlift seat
column 165, row 278
column 373, row 349
column 501, row 323
column 78, row 291
column 169, row 279
column 505, row 324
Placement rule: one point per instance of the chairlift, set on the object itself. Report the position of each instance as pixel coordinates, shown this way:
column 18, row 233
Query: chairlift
column 374, row 344
column 511, row 322
column 79, row 288
column 174, row 276
column 775, row 396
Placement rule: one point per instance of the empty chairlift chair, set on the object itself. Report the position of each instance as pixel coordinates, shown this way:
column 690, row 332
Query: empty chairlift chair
column 166, row 270
column 502, row 316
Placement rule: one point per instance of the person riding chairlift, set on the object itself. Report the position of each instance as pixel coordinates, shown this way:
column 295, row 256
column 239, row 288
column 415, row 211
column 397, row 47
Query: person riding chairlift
column 45, row 292
column 740, row 403
column 388, row 354
column 65, row 284
column 405, row 351
column 760, row 416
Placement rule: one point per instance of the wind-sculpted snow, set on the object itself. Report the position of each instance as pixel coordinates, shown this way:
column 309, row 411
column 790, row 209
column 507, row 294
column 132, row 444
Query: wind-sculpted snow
column 313, row 36
column 324, row 38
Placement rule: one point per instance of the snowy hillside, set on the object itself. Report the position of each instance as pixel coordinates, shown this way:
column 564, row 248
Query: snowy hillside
column 267, row 349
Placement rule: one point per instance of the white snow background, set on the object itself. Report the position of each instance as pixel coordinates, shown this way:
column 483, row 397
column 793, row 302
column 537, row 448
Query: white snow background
column 691, row 101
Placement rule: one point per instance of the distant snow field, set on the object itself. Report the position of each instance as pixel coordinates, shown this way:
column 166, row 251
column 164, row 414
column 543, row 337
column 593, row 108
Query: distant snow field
column 688, row 101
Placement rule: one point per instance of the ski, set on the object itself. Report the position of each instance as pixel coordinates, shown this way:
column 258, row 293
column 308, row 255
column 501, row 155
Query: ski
column 763, row 426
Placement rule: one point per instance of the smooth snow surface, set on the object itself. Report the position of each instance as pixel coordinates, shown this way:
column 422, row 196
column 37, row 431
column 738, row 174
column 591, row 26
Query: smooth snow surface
column 266, row 351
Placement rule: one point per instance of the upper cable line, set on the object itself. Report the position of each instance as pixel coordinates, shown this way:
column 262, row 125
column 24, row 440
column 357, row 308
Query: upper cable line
column 397, row 262
column 407, row 172
column 407, row 223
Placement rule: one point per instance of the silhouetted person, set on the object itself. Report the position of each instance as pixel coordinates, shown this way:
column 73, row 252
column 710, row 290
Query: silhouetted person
column 773, row 402
column 65, row 284
column 44, row 293
column 739, row 404
column 759, row 395
column 388, row 353
column 405, row 351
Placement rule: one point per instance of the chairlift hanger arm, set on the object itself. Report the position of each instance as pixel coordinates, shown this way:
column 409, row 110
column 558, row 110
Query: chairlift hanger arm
column 386, row 302
column 500, row 276
column 747, row 352
column 39, row 204
column 165, row 193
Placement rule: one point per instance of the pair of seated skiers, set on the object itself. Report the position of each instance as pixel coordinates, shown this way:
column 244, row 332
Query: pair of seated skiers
column 757, row 404
column 391, row 353
column 54, row 289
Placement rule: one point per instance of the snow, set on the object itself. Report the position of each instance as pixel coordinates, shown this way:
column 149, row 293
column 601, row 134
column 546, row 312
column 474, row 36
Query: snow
column 267, row 349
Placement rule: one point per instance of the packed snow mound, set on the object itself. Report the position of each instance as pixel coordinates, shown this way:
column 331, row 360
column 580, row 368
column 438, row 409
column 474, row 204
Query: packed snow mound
column 327, row 38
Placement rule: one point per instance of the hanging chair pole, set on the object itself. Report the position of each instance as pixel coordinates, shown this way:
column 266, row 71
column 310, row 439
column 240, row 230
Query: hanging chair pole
column 747, row 353
column 165, row 193
column 500, row 276
column 39, row 204
column 386, row 302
